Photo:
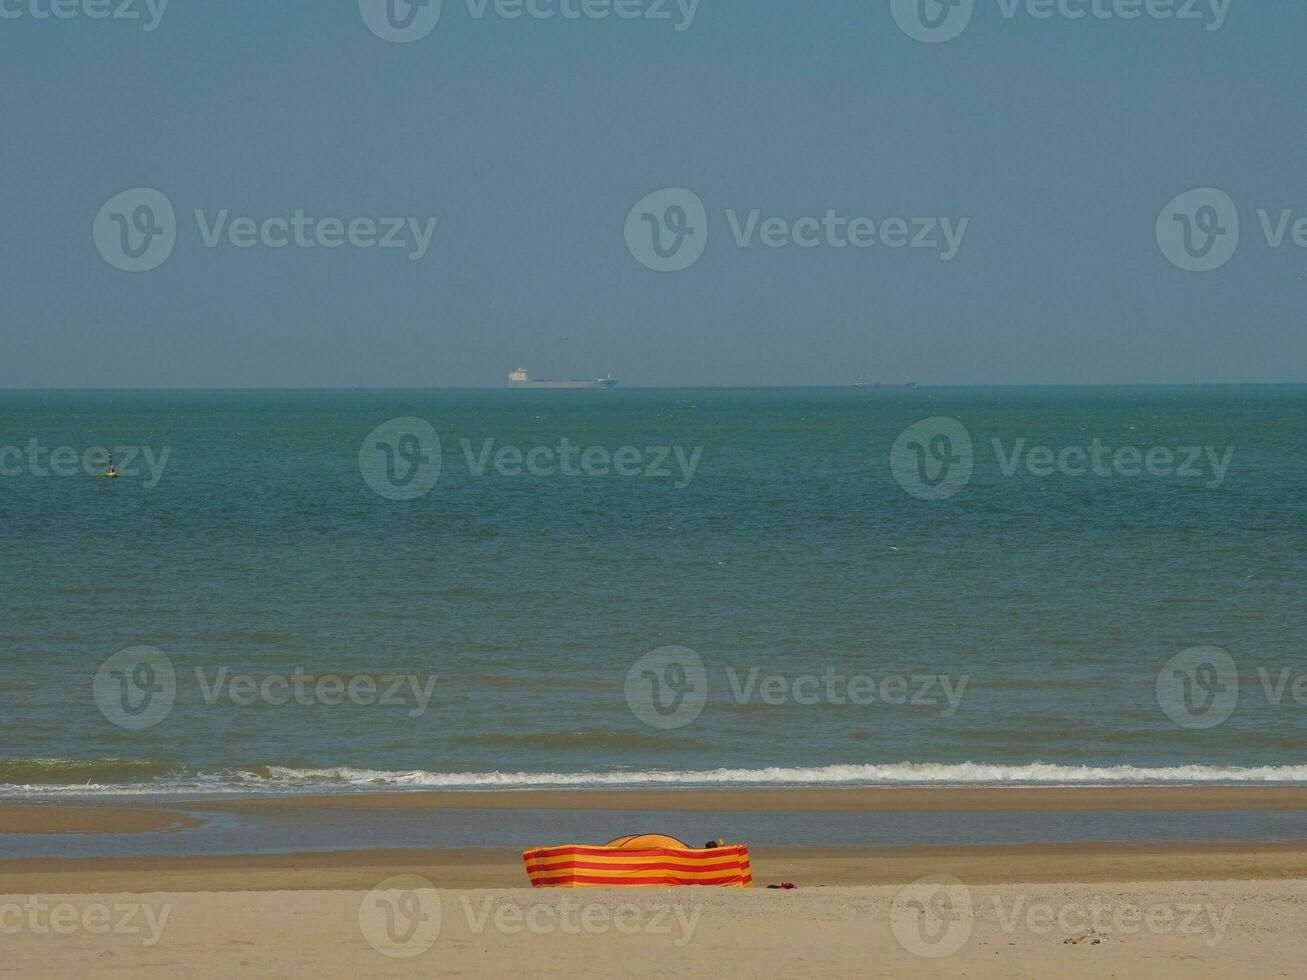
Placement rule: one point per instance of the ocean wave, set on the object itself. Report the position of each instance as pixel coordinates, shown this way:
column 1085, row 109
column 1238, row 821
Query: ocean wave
column 57, row 772
column 118, row 777
column 900, row 774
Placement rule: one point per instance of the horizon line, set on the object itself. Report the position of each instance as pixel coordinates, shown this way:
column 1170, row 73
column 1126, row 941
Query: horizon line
column 672, row 387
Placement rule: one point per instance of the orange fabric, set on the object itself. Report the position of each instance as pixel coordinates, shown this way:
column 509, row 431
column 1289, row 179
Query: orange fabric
column 579, row 866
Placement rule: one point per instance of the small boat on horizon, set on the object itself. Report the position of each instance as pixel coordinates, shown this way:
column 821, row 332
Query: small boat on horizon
column 520, row 379
column 860, row 383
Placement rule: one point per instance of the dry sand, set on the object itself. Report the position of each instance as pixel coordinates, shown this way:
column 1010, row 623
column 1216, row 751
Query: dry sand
column 1250, row 929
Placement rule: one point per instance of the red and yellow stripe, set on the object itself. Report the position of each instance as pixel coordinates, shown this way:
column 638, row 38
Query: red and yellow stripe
column 578, row 866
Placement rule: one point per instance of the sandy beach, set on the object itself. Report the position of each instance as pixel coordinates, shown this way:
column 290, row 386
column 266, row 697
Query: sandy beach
column 1249, row 928
column 1039, row 909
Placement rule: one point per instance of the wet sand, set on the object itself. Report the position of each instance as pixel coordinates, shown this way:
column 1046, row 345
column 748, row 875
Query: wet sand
column 92, row 819
column 96, row 816
column 828, row 800
column 806, row 866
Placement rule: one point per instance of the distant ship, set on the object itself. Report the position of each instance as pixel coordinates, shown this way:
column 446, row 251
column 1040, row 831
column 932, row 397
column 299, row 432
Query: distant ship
column 869, row 384
column 520, row 379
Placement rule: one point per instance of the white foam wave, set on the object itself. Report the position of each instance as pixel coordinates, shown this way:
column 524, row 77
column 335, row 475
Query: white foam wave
column 906, row 773
column 280, row 779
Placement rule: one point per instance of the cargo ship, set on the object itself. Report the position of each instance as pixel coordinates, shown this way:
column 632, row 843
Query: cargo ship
column 876, row 384
column 520, row 379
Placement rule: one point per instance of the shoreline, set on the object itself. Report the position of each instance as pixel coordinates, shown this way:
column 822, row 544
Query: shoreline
column 167, row 814
column 801, row 799
column 824, row 867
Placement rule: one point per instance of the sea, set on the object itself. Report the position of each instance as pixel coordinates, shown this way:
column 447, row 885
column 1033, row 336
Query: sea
column 380, row 591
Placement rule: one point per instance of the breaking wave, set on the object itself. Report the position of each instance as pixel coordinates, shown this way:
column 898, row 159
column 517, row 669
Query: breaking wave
column 115, row 776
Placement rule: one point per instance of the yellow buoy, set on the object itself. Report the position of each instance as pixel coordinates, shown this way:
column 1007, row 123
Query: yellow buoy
column 111, row 473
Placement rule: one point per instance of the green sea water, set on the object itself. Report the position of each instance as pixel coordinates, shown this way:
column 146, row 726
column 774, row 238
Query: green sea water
column 859, row 614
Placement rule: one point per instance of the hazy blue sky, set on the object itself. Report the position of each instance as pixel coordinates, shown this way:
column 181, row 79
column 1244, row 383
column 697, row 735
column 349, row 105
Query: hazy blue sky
column 530, row 140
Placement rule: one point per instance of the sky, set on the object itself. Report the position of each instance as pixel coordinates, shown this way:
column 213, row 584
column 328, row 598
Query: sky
column 1120, row 192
